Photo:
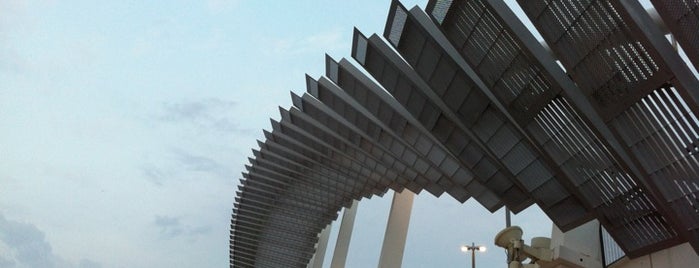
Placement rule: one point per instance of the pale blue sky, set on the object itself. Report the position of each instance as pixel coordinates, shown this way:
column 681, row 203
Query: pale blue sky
column 126, row 124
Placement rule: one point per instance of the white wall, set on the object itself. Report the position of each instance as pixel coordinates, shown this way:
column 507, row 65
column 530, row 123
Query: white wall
column 583, row 239
column 681, row 256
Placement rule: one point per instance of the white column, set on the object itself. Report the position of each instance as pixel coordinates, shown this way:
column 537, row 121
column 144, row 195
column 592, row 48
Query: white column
column 396, row 230
column 344, row 236
column 310, row 262
column 317, row 260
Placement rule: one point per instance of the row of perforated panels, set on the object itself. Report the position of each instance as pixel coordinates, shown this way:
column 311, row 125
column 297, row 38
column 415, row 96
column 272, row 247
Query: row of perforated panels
column 614, row 65
column 474, row 107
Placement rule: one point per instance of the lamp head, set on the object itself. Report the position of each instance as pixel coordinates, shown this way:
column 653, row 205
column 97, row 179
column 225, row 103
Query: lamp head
column 505, row 237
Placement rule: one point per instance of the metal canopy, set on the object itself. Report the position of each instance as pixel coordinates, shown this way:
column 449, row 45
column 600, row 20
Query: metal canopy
column 546, row 106
column 469, row 104
column 643, row 91
column 682, row 18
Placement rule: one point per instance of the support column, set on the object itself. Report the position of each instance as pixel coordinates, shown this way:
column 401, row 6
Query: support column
column 310, row 262
column 344, row 236
column 317, row 259
column 396, row 230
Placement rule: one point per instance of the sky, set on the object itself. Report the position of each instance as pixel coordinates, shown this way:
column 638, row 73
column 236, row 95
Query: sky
column 126, row 124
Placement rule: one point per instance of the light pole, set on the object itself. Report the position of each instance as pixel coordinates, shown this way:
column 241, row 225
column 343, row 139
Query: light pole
column 473, row 248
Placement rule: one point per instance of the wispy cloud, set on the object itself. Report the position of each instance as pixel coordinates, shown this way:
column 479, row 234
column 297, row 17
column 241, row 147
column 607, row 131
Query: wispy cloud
column 193, row 110
column 171, row 227
column 154, row 174
column 200, row 163
column 6, row 263
column 183, row 163
column 29, row 248
column 206, row 114
column 27, row 242
column 85, row 263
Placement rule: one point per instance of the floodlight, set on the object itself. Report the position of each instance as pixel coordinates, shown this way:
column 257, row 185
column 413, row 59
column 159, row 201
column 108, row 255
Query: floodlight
column 473, row 248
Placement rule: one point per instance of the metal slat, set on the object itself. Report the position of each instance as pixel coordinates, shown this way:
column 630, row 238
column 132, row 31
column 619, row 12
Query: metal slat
column 628, row 129
column 557, row 128
column 430, row 112
column 329, row 94
column 495, row 132
column 389, row 110
column 640, row 65
column 682, row 18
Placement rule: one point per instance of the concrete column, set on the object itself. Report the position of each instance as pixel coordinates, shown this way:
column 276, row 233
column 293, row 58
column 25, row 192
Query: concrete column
column 396, row 230
column 317, row 260
column 344, row 236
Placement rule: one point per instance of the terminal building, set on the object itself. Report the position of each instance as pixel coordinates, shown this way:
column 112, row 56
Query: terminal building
column 596, row 125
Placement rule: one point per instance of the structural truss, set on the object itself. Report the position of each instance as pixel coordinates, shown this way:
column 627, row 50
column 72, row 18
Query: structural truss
column 464, row 100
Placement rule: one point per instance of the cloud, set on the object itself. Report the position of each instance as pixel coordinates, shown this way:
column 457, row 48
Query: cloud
column 201, row 163
column 27, row 243
column 200, row 230
column 182, row 163
column 206, row 114
column 5, row 263
column 171, row 227
column 85, row 263
column 28, row 247
column 153, row 174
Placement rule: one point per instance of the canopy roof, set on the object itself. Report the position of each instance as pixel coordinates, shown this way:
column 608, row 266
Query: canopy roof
column 470, row 104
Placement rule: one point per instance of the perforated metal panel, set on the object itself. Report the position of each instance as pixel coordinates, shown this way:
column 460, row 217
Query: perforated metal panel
column 474, row 106
column 682, row 17
column 498, row 133
column 636, row 82
column 434, row 115
column 389, row 112
column 530, row 92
